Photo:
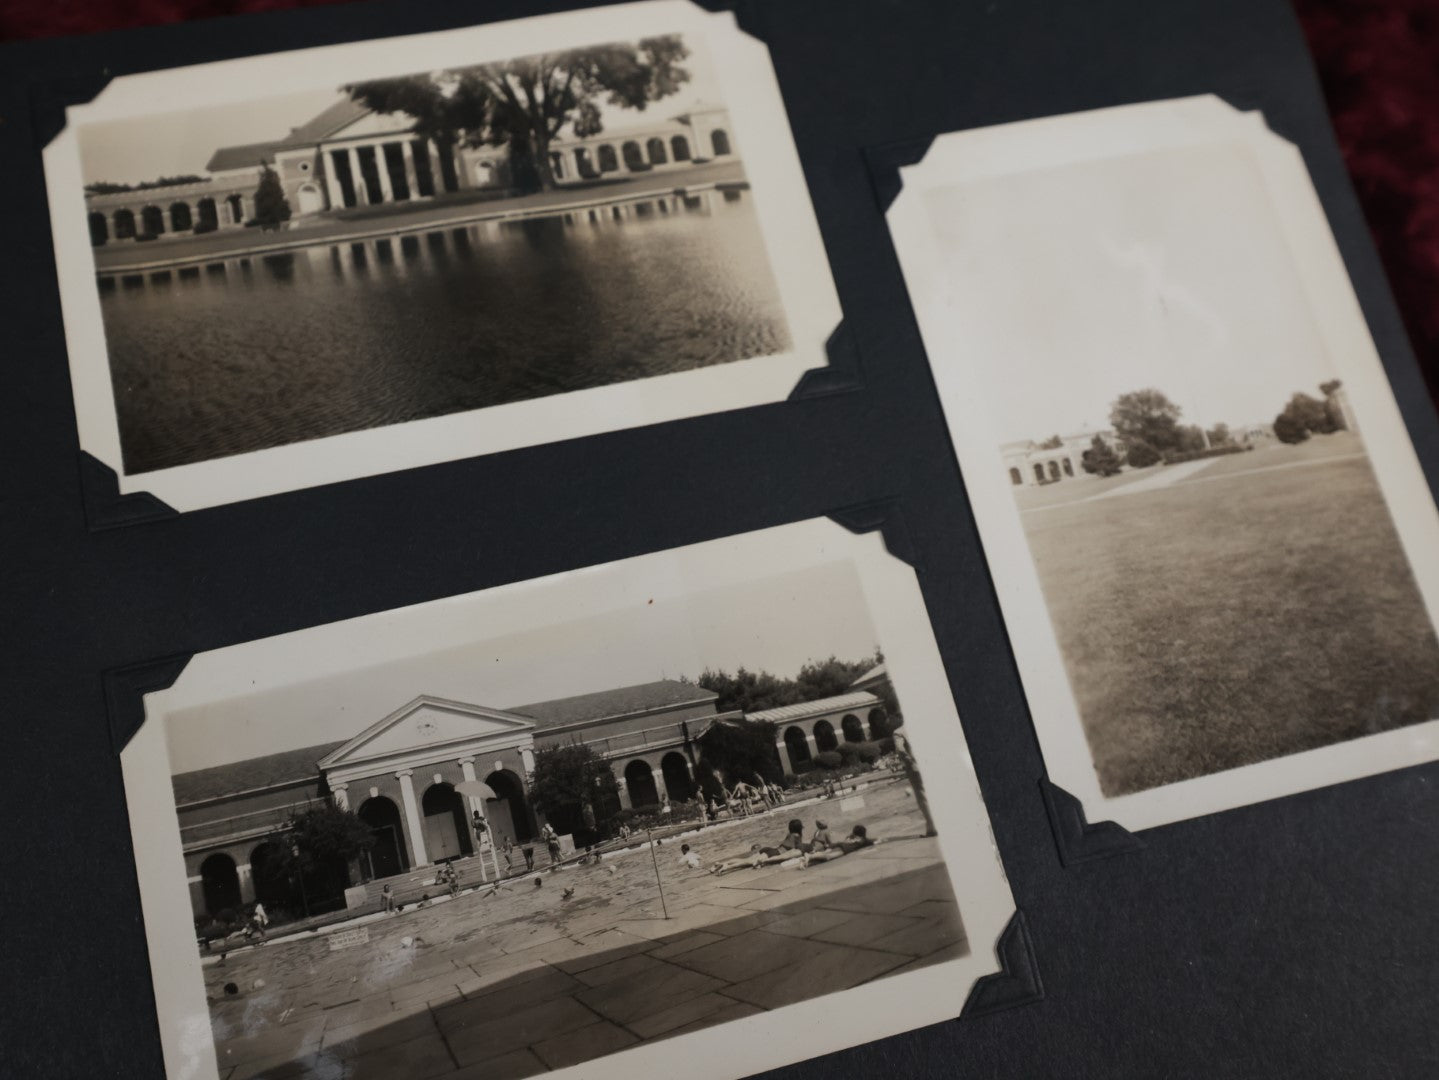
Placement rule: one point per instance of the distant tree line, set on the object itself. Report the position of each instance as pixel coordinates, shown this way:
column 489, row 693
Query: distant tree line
column 1305, row 415
column 1148, row 431
column 752, row 691
column 106, row 187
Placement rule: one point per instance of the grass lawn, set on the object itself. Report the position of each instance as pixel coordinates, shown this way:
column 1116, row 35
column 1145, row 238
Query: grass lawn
column 1067, row 490
column 1209, row 625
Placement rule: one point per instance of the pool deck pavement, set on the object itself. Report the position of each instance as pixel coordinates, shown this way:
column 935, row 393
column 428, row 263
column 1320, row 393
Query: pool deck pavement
column 524, row 982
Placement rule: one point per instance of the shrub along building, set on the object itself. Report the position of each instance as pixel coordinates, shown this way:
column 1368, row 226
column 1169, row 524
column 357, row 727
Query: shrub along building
column 399, row 774
column 350, row 156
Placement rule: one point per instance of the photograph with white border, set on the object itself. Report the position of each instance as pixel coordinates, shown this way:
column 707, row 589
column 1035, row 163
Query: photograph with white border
column 304, row 267
column 1212, row 540
column 704, row 812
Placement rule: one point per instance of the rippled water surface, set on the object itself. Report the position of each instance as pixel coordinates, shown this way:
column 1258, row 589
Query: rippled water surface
column 262, row 351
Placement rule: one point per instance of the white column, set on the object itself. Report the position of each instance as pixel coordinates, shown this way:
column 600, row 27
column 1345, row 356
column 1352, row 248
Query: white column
column 784, row 761
column 660, row 789
column 467, row 767
column 332, row 181
column 357, row 179
column 408, row 151
column 527, row 759
column 624, row 793
column 414, row 827
column 384, row 170
column 342, row 795
column 813, row 746
column 247, row 883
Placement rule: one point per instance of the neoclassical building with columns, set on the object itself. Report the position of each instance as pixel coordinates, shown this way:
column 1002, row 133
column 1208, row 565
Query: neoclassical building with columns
column 350, row 157
column 398, row 775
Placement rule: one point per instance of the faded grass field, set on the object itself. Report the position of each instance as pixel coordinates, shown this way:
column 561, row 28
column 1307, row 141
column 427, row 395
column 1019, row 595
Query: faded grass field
column 1260, row 607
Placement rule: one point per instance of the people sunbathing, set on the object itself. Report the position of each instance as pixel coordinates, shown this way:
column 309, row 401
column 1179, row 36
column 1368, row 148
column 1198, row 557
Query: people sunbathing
column 858, row 838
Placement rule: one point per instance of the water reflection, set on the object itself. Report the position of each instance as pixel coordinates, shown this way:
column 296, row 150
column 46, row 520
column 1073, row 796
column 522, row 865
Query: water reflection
column 271, row 349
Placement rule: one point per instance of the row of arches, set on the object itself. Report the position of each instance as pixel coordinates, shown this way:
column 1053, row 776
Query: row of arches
column 155, row 220
column 675, row 773
column 852, row 730
column 1045, row 472
column 636, row 155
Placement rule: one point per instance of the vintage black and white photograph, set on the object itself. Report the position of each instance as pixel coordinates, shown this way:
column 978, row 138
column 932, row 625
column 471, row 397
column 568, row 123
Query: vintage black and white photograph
column 1180, row 441
column 378, row 249
column 532, row 829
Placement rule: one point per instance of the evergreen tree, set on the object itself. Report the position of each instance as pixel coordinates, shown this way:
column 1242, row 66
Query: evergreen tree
column 1100, row 459
column 271, row 206
column 570, row 779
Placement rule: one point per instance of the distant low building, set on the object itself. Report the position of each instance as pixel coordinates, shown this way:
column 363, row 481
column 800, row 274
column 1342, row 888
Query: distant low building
column 349, row 156
column 1030, row 464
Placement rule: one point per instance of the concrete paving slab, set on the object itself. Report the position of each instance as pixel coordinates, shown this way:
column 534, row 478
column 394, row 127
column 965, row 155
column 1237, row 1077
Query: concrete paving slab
column 627, row 1000
column 833, row 967
column 527, row 1027
column 681, row 1015
column 583, row 1044
column 418, row 1059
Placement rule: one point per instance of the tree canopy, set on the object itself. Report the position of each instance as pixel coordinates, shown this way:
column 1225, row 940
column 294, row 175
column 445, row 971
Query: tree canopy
column 1054, row 442
column 1100, row 458
column 107, row 187
column 751, row 691
column 1146, row 417
column 1305, row 415
column 731, row 751
column 575, row 788
column 525, row 103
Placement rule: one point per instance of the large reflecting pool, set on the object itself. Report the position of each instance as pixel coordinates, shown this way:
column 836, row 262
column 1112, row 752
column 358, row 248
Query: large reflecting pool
column 265, row 350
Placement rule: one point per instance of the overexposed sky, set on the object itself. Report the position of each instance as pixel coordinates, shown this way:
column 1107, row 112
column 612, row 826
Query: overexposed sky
column 181, row 142
column 1072, row 286
column 775, row 623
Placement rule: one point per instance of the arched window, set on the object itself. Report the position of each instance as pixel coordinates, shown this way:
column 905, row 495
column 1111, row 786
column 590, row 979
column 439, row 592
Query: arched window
column 824, row 736
column 640, row 780
column 680, row 147
column 447, row 824
column 388, row 856
column 557, row 164
column 236, row 203
column 180, row 218
column 1015, row 477
column 209, row 219
column 220, row 883
column 853, row 728
column 1054, row 470
column 268, row 874
column 634, row 159
column 878, row 723
column 124, row 225
column 719, row 141
column 656, row 150
column 796, row 744
column 675, row 768
column 153, row 220
column 609, row 160
column 1039, row 472
column 1068, row 467
column 508, row 812
column 99, row 229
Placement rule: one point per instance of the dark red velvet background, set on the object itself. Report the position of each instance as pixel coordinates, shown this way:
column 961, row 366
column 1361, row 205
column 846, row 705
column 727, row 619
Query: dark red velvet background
column 1378, row 59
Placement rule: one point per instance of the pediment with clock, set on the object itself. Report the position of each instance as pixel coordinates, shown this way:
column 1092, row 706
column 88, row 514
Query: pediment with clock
column 431, row 723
